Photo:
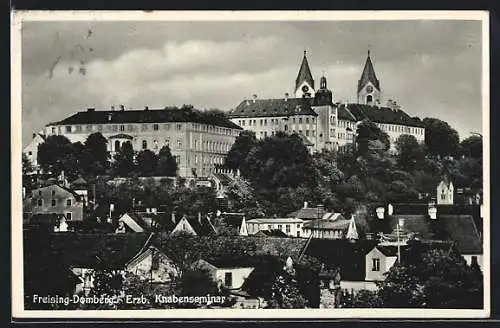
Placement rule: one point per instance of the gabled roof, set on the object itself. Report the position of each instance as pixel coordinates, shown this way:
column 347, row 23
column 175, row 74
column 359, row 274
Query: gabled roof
column 111, row 251
column 348, row 256
column 336, row 223
column 202, row 226
column 308, row 213
column 462, row 230
column 80, row 182
column 271, row 233
column 146, row 116
column 72, row 192
column 359, row 112
column 388, row 250
column 273, row 107
column 304, row 74
column 368, row 75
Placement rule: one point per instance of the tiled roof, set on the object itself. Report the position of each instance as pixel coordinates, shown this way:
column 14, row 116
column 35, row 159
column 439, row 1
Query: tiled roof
column 271, row 233
column 343, row 254
column 462, row 230
column 377, row 114
column 273, row 107
column 339, row 224
column 276, row 220
column 202, row 226
column 111, row 251
column 304, row 74
column 388, row 250
column 147, row 116
column 368, row 75
column 308, row 213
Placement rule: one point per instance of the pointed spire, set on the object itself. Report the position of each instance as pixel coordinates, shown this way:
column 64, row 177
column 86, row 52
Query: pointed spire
column 368, row 75
column 304, row 73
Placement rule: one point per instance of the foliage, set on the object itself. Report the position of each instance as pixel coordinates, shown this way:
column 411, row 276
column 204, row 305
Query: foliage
column 238, row 153
column 441, row 139
column 285, row 292
column 410, row 153
column 472, row 147
column 146, row 163
column 27, row 166
column 368, row 131
column 58, row 154
column 167, row 166
column 123, row 163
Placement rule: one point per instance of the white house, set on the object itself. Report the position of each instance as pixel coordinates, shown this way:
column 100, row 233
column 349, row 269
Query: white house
column 229, row 274
column 31, row 149
column 152, row 265
column 290, row 226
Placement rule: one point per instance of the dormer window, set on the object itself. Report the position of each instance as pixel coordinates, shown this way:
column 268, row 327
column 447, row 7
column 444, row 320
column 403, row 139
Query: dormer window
column 376, row 264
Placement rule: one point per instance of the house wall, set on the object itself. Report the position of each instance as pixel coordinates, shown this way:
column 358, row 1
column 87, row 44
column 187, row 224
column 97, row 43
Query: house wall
column 324, row 233
column 184, row 225
column 61, row 196
column 31, row 149
column 238, row 276
column 165, row 271
column 385, row 264
column 293, row 226
column 195, row 146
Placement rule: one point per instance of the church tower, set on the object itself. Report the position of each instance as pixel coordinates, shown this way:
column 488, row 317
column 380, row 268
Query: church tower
column 369, row 86
column 304, row 84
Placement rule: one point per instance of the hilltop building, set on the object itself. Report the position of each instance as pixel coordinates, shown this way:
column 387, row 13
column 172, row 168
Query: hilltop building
column 321, row 121
column 198, row 140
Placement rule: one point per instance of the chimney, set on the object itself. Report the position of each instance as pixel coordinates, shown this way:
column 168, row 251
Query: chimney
column 390, row 209
column 122, row 108
column 432, row 211
column 173, row 217
column 254, row 97
column 286, row 96
column 380, row 213
column 146, row 108
column 90, row 109
column 305, row 204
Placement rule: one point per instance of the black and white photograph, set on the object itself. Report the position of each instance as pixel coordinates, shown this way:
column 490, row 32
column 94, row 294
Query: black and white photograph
column 226, row 164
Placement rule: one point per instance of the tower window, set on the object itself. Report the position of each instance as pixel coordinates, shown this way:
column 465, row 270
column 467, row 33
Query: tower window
column 144, row 144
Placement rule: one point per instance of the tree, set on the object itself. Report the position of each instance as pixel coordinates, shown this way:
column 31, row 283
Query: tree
column 191, row 201
column 409, row 152
column 236, row 156
column 57, row 154
column 285, row 292
column 368, row 131
column 27, row 166
column 167, row 166
column 432, row 278
column 97, row 145
column 146, row 162
column 123, row 163
column 441, row 139
column 472, row 147
column 241, row 196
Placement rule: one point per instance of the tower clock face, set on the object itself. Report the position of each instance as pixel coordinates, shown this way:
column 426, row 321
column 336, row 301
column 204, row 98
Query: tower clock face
column 305, row 88
column 369, row 88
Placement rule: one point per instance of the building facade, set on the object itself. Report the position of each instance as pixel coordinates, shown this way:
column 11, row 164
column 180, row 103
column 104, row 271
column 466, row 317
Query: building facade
column 55, row 199
column 197, row 140
column 327, row 124
column 292, row 227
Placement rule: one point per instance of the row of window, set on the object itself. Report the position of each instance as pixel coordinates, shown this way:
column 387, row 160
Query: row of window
column 142, row 127
column 274, row 121
column 213, row 146
column 401, row 129
column 53, row 203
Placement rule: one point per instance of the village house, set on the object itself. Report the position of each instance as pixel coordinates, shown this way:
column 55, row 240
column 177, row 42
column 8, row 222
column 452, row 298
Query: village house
column 31, row 149
column 308, row 213
column 292, row 227
column 54, row 199
column 228, row 273
column 197, row 226
column 331, row 226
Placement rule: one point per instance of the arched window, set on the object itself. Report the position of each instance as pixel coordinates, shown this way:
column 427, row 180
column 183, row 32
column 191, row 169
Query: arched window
column 369, row 98
column 117, row 145
column 144, row 144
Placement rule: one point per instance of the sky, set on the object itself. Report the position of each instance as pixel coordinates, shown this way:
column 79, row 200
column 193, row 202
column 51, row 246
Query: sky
column 431, row 68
